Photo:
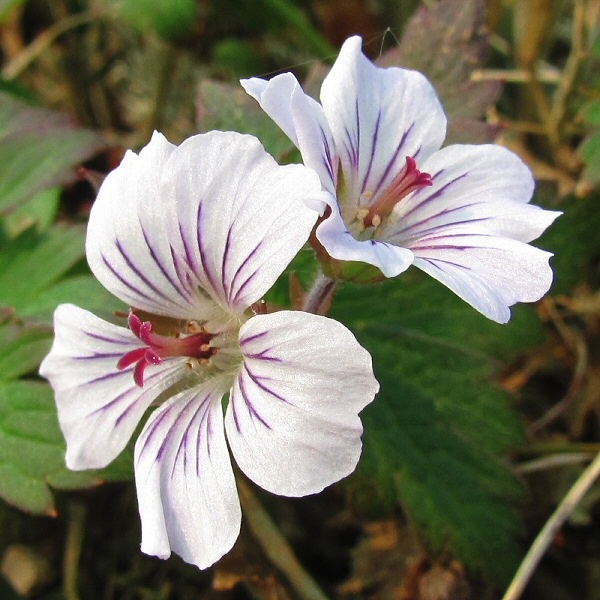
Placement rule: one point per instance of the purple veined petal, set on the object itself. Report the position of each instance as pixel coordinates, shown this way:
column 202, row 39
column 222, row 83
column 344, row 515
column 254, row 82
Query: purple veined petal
column 302, row 119
column 292, row 421
column 98, row 405
column 490, row 273
column 478, row 189
column 185, row 484
column 240, row 216
column 378, row 117
column 127, row 247
column 342, row 245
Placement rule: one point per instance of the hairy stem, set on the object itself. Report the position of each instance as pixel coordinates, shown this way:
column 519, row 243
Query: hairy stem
column 319, row 297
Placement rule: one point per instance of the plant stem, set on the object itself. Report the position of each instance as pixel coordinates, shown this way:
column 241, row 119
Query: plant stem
column 319, row 296
column 554, row 523
column 275, row 546
column 73, row 544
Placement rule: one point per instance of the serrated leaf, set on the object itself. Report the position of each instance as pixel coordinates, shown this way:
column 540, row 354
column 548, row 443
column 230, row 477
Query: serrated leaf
column 228, row 107
column 38, row 150
column 32, row 450
column 445, row 41
column 436, row 433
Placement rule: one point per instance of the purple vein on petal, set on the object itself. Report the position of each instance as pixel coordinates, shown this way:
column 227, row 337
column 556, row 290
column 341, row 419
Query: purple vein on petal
column 442, row 213
column 202, row 250
column 98, row 355
column 234, row 282
column 138, row 272
column 393, row 160
column 372, row 155
column 435, row 194
column 254, row 337
column 103, row 338
column 329, row 162
column 178, row 288
column 226, row 289
column 183, row 442
column 259, row 383
column 253, row 412
column 126, row 283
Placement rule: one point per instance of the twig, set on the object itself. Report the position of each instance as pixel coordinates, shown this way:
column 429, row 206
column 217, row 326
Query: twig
column 569, row 74
column 73, row 543
column 42, row 42
column 541, row 74
column 553, row 461
column 275, row 546
column 546, row 535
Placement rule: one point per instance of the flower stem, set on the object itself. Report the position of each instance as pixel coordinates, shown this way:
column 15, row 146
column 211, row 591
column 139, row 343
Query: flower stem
column 554, row 523
column 275, row 546
column 319, row 297
column 73, row 543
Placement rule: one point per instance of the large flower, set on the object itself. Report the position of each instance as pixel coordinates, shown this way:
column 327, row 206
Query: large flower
column 461, row 213
column 191, row 237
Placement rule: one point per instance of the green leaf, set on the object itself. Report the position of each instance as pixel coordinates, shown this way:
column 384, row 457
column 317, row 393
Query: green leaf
column 38, row 150
column 575, row 242
column 32, row 450
column 590, row 113
column 39, row 211
column 228, row 107
column 447, row 55
column 171, row 19
column 34, row 261
column 436, row 433
column 22, row 347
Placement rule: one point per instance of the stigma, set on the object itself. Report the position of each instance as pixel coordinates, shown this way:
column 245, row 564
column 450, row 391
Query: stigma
column 157, row 347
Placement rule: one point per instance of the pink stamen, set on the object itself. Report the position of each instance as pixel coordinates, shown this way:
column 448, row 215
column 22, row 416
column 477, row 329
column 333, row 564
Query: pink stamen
column 407, row 181
column 157, row 347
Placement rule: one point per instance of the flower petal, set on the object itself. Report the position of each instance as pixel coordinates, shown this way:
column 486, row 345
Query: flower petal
column 241, row 218
column 185, row 485
column 197, row 230
column 341, row 244
column 98, row 405
column 490, row 273
column 126, row 245
column 302, row 119
column 292, row 422
column 476, row 189
column 378, row 117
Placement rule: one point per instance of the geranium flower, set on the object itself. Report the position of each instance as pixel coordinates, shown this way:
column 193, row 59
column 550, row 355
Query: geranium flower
column 191, row 237
column 460, row 214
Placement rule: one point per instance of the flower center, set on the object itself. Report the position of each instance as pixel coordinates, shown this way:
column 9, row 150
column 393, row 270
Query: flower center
column 196, row 345
column 407, row 181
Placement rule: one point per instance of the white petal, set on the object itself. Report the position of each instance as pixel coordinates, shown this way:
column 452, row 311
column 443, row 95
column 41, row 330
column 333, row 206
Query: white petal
column 185, row 485
column 292, row 422
column 241, row 217
column 98, row 406
column 197, row 230
column 340, row 243
column 490, row 273
column 302, row 119
column 478, row 189
column 126, row 245
column 378, row 117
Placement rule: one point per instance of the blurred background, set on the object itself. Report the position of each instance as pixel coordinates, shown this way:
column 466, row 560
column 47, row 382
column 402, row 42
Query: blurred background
column 479, row 430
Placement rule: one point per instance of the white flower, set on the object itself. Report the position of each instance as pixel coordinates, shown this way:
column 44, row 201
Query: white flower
column 191, row 237
column 461, row 213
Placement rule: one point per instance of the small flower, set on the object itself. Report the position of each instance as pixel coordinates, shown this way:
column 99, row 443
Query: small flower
column 192, row 237
column 460, row 214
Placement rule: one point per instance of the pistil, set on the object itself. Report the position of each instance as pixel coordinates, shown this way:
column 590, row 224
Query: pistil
column 407, row 181
column 157, row 347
